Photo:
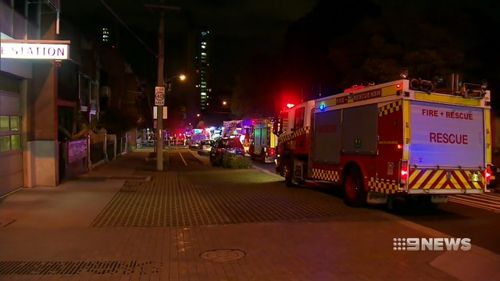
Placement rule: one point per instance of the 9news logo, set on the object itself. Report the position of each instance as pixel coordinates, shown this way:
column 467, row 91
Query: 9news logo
column 431, row 244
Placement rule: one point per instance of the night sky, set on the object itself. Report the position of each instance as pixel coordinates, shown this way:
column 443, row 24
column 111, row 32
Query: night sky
column 239, row 28
column 265, row 48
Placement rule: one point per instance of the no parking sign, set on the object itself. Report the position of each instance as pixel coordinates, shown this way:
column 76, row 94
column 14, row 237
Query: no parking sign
column 159, row 95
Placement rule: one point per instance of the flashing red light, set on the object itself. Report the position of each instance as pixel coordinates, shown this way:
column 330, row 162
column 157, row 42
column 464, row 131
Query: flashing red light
column 398, row 86
column 354, row 88
column 290, row 105
column 404, row 171
column 399, row 146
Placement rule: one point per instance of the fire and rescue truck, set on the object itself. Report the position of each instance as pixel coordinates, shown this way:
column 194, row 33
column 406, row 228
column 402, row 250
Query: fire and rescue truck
column 389, row 141
column 263, row 140
column 238, row 129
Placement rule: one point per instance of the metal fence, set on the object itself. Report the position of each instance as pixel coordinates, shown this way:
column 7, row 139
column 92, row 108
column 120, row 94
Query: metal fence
column 106, row 147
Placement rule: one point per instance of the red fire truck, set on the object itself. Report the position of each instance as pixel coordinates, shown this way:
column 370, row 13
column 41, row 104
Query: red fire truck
column 263, row 141
column 388, row 141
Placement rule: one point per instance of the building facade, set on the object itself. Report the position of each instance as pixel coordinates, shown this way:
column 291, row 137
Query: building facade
column 28, row 98
column 48, row 104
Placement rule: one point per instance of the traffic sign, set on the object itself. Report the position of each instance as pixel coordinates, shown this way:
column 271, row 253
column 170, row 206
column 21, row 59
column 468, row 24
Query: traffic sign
column 155, row 112
column 159, row 95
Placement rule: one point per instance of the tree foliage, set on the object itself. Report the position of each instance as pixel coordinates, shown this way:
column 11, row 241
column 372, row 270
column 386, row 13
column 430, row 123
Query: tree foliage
column 343, row 43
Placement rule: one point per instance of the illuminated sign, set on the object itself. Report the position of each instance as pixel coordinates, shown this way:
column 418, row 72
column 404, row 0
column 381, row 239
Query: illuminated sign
column 359, row 97
column 36, row 49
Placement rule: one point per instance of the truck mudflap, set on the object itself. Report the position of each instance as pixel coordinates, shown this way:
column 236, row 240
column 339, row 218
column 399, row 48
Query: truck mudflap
column 441, row 181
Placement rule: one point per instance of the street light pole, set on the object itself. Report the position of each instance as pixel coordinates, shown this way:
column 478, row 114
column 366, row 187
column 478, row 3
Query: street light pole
column 161, row 83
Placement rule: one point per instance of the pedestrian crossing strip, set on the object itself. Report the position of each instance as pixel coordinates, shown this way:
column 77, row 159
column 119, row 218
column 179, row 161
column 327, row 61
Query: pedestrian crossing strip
column 486, row 201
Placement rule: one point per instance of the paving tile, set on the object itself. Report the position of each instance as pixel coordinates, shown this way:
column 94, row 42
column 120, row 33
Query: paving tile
column 156, row 230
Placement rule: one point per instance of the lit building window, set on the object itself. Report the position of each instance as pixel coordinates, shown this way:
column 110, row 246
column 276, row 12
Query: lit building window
column 105, row 34
column 10, row 140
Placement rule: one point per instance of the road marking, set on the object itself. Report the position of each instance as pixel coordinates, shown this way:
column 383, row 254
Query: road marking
column 489, row 202
column 185, row 163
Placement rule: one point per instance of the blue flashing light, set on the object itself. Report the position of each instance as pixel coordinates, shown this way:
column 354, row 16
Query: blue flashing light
column 246, row 123
column 322, row 106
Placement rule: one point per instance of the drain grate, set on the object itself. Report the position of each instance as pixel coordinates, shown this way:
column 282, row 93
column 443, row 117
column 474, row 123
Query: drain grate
column 223, row 255
column 131, row 186
column 77, row 267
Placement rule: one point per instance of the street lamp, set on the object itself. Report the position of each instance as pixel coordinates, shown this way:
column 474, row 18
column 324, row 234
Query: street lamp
column 181, row 77
column 224, row 103
column 168, row 81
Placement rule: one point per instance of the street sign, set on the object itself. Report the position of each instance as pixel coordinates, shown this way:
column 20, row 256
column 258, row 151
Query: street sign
column 155, row 112
column 159, row 95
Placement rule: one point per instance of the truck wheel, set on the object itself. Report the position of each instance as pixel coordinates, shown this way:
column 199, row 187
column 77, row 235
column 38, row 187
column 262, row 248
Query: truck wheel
column 354, row 193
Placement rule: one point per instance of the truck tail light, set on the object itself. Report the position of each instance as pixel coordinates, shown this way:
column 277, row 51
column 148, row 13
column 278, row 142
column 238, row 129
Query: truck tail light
column 403, row 175
column 488, row 174
column 271, row 151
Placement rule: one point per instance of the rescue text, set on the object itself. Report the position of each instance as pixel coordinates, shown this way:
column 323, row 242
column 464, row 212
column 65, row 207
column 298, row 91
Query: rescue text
column 448, row 138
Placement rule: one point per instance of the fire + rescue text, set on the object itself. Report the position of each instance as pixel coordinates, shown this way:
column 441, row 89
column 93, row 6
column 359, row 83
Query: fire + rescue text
column 447, row 114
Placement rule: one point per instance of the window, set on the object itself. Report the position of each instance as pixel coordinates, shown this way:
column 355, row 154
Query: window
column 105, row 34
column 15, row 142
column 14, row 123
column 10, row 139
column 4, row 123
column 4, row 143
column 299, row 118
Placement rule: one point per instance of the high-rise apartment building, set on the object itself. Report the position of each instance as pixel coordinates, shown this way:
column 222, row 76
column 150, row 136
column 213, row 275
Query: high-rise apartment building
column 203, row 66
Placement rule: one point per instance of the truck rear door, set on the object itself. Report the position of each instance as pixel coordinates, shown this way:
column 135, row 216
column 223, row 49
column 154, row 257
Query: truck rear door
column 446, row 136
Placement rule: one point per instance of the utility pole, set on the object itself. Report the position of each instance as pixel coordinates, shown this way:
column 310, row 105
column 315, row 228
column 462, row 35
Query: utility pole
column 161, row 85
column 160, row 88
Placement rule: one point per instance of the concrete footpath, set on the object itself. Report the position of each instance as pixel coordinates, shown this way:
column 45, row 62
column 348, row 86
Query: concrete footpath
column 100, row 227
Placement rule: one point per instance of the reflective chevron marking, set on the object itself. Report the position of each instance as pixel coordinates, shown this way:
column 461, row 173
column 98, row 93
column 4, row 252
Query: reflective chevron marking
column 486, row 201
column 427, row 179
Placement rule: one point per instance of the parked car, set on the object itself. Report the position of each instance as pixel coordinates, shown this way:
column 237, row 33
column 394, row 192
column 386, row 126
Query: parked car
column 224, row 146
column 195, row 142
column 205, row 147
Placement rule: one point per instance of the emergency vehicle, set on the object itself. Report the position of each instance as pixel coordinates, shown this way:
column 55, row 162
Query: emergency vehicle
column 263, row 140
column 238, row 129
column 393, row 140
